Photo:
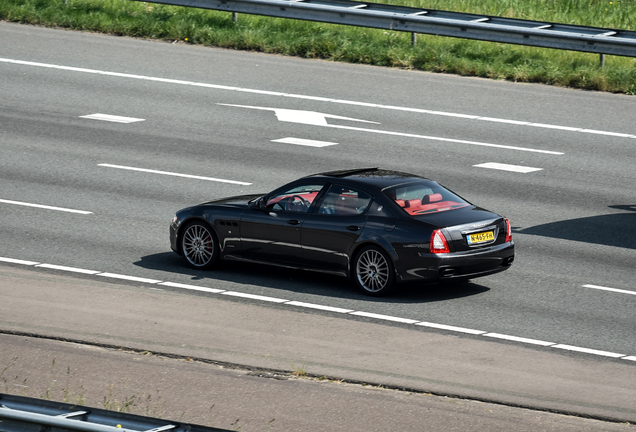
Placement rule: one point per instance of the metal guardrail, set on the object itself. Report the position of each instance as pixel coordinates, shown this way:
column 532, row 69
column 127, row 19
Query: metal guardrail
column 435, row 22
column 22, row 414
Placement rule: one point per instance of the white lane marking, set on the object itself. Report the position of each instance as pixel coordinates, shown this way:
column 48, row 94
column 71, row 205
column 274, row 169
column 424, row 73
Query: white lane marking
column 304, row 142
column 45, row 207
column 506, row 167
column 588, row 351
column 173, row 174
column 129, row 278
column 598, row 132
column 622, row 291
column 68, row 269
column 335, row 309
column 450, row 328
column 384, row 317
column 112, row 118
column 254, row 297
column 317, row 306
column 300, row 116
column 308, row 97
column 18, row 261
column 192, row 287
column 519, row 339
column 457, row 141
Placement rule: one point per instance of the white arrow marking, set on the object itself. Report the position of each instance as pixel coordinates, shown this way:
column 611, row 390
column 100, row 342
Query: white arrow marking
column 304, row 117
column 319, row 119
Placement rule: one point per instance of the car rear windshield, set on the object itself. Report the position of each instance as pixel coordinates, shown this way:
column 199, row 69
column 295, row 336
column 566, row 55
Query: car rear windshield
column 424, row 197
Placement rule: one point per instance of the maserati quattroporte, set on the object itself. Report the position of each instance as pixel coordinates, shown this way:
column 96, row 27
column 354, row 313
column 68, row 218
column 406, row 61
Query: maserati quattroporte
column 375, row 226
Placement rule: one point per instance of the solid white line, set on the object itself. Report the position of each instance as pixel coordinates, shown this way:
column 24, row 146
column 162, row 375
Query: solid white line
column 45, row 207
column 451, row 328
column 305, row 142
column 622, row 291
column 69, row 269
column 254, row 297
column 631, row 358
column 519, row 339
column 308, row 97
column 192, row 287
column 129, row 278
column 384, row 317
column 174, row 174
column 458, row 141
column 17, row 261
column 112, row 118
column 588, row 351
column 321, row 307
column 506, row 167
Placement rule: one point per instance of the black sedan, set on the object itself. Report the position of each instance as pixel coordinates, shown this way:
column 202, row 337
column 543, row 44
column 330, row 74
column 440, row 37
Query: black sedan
column 376, row 226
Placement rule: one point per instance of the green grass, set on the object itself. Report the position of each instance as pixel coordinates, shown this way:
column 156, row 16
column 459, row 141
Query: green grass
column 362, row 45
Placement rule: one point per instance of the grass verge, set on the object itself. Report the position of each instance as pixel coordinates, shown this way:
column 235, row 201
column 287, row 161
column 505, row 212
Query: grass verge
column 362, row 45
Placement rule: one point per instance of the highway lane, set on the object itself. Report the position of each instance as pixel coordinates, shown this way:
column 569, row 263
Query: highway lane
column 565, row 216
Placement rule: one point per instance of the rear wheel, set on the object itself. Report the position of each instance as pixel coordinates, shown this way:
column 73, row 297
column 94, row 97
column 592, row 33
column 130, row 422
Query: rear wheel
column 199, row 245
column 373, row 271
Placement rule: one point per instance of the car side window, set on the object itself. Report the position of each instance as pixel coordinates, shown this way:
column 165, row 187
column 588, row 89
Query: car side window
column 344, row 200
column 296, row 199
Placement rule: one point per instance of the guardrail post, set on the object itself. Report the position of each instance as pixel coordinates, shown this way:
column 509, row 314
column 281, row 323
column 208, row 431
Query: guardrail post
column 413, row 39
column 235, row 17
column 602, row 60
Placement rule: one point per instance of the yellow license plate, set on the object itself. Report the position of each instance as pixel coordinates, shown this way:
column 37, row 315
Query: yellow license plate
column 481, row 237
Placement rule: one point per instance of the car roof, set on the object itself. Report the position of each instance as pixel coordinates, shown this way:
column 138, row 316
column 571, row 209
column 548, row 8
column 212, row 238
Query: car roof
column 379, row 178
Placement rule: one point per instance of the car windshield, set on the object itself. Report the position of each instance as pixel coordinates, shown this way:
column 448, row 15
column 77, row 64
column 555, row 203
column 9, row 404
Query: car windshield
column 424, row 197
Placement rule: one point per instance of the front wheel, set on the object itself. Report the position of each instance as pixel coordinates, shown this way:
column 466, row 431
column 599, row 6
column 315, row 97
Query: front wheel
column 373, row 272
column 199, row 245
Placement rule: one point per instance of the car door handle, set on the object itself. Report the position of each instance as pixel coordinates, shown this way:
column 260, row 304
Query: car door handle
column 353, row 228
column 293, row 222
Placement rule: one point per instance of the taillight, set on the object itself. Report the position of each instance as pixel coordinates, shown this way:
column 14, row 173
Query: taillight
column 438, row 243
column 508, row 231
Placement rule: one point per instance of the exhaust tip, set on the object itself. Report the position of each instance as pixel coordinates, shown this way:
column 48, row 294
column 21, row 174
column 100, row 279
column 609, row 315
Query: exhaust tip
column 447, row 272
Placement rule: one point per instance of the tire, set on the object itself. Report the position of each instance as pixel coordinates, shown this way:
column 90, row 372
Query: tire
column 199, row 245
column 373, row 272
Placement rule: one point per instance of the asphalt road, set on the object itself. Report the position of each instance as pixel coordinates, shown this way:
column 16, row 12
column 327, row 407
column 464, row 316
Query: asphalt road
column 217, row 114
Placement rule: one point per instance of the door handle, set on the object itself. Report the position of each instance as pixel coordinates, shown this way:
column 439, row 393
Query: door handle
column 353, row 228
column 293, row 222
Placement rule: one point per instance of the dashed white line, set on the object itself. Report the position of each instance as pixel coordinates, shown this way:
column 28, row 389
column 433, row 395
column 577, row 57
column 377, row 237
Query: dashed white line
column 622, row 291
column 68, row 269
column 304, row 142
column 129, row 278
column 254, row 297
column 506, row 167
column 519, row 339
column 328, row 308
column 191, row 287
column 316, row 98
column 320, row 307
column 451, row 328
column 112, row 118
column 384, row 317
column 45, row 207
column 18, row 261
column 173, row 174
column 588, row 351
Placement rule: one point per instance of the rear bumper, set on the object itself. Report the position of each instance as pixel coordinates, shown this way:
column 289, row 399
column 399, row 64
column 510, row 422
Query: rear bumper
column 455, row 266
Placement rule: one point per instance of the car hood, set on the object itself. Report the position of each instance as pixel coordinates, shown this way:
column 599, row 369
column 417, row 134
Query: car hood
column 461, row 216
column 239, row 200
